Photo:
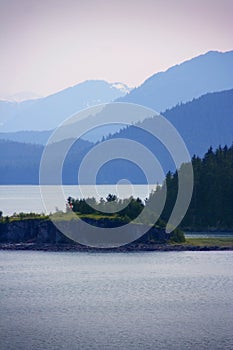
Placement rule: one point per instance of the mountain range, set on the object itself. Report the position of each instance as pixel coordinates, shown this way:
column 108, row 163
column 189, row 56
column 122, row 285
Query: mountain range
column 195, row 96
column 48, row 112
column 204, row 122
column 210, row 72
column 34, row 120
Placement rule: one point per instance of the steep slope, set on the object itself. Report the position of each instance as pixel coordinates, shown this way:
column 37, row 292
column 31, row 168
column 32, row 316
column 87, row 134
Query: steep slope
column 210, row 72
column 203, row 122
column 206, row 121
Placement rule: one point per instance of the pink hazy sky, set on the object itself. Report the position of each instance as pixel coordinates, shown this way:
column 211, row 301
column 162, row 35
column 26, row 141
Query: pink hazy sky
column 48, row 45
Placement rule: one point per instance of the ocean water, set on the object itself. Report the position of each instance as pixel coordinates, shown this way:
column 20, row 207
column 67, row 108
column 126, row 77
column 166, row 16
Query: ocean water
column 16, row 199
column 138, row 301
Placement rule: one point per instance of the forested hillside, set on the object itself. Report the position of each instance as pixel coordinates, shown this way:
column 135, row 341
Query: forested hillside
column 211, row 206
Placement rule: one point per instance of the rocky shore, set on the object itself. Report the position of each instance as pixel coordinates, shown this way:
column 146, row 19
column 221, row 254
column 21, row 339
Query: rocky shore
column 165, row 247
column 42, row 235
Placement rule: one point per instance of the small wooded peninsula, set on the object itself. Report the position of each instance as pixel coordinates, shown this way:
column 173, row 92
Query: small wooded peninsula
column 31, row 231
column 39, row 233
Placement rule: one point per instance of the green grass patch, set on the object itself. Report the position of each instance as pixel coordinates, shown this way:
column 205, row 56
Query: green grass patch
column 71, row 215
column 98, row 216
column 17, row 218
column 221, row 242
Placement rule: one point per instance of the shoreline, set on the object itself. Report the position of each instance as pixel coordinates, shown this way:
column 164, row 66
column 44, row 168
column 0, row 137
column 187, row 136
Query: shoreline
column 47, row 247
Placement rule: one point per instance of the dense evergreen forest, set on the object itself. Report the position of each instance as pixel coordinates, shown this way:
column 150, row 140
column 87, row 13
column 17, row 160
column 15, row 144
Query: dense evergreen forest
column 212, row 201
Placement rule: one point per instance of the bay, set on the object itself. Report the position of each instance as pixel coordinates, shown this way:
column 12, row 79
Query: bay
column 153, row 300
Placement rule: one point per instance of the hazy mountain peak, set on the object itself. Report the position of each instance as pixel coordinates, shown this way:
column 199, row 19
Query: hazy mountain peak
column 122, row 87
column 48, row 112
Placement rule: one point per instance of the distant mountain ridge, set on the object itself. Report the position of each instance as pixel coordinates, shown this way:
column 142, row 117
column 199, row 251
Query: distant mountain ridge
column 33, row 137
column 203, row 122
column 210, row 72
column 20, row 96
column 48, row 112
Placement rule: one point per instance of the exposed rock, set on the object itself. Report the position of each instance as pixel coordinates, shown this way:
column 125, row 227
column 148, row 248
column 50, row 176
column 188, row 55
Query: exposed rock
column 44, row 231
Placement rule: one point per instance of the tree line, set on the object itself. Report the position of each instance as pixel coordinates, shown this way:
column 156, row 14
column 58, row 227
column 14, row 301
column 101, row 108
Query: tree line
column 211, row 206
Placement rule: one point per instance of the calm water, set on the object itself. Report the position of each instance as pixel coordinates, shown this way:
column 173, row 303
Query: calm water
column 16, row 199
column 138, row 301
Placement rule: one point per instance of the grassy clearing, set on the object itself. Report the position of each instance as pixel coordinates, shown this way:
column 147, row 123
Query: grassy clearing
column 98, row 216
column 71, row 215
column 17, row 218
column 221, row 242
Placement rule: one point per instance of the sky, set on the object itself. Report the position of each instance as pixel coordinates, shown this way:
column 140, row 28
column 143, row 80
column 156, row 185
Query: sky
column 48, row 45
